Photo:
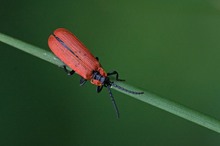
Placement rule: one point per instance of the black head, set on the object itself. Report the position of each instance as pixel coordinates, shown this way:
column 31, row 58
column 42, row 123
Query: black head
column 105, row 81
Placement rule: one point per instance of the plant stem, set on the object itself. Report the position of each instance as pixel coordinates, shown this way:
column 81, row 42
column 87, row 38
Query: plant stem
column 173, row 107
column 31, row 49
column 164, row 104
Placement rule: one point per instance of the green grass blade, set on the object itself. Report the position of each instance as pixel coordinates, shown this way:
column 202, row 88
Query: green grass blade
column 164, row 104
column 31, row 49
column 173, row 107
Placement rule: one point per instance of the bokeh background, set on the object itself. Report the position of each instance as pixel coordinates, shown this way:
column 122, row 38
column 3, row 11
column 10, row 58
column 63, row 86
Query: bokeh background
column 171, row 48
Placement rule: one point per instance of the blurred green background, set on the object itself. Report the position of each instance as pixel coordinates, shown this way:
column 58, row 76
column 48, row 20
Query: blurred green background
column 170, row 48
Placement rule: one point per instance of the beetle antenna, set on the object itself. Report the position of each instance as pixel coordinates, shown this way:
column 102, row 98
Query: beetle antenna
column 126, row 90
column 113, row 101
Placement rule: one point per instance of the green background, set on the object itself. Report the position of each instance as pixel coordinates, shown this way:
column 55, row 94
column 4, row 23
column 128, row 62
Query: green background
column 170, row 48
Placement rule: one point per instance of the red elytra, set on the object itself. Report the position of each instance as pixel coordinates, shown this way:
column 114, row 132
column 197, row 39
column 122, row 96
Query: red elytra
column 75, row 55
column 79, row 58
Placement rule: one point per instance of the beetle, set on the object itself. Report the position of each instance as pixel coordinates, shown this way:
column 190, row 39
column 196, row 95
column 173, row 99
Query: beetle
column 67, row 47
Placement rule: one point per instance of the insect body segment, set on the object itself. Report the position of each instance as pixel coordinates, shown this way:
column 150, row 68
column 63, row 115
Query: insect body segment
column 75, row 55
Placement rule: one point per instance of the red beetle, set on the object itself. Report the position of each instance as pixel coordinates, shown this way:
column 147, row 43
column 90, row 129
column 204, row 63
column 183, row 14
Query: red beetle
column 75, row 55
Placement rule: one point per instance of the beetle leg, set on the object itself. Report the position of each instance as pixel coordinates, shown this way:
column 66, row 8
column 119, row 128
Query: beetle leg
column 115, row 73
column 82, row 81
column 99, row 89
column 67, row 71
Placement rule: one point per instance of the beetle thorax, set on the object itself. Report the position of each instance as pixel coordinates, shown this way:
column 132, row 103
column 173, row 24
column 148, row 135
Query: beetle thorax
column 101, row 71
column 98, row 79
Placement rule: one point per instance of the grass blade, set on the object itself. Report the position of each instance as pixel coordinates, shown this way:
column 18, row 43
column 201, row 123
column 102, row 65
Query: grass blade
column 164, row 104
column 31, row 49
column 173, row 107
